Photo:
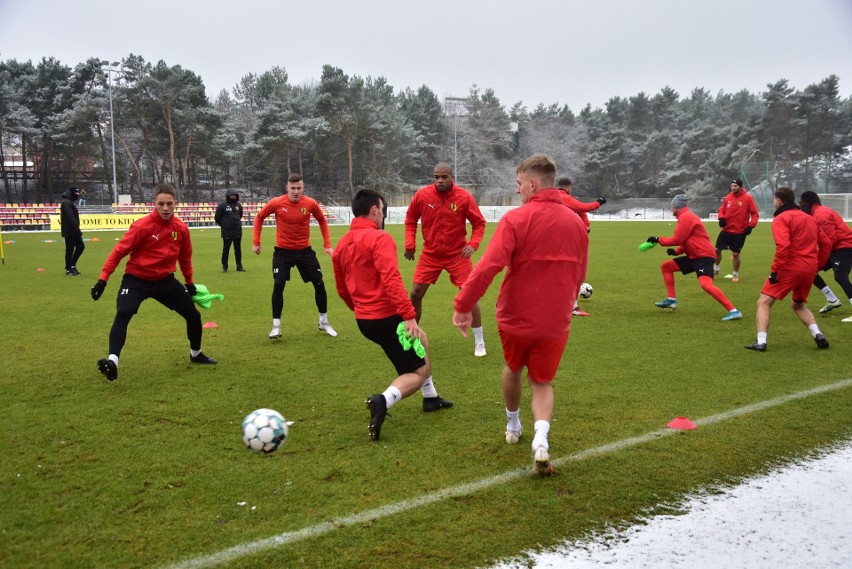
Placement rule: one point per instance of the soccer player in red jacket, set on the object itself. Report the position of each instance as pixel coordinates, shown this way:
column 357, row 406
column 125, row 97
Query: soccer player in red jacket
column 737, row 217
column 840, row 258
column 692, row 241
column 545, row 247
column 366, row 274
column 293, row 213
column 443, row 209
column 801, row 248
column 155, row 244
column 582, row 209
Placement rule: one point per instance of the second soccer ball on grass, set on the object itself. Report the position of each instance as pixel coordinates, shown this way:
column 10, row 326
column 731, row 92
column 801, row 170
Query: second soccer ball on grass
column 586, row 290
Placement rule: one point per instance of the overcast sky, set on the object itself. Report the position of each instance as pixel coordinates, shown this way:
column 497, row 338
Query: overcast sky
column 550, row 51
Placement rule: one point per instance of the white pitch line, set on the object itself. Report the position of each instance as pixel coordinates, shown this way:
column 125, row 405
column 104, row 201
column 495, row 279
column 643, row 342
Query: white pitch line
column 245, row 549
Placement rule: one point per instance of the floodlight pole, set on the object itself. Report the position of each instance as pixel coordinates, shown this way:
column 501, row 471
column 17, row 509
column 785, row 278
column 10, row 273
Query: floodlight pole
column 456, row 145
column 110, row 71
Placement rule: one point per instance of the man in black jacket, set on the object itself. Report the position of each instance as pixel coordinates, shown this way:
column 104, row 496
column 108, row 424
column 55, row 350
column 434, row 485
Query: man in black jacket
column 69, row 220
column 229, row 216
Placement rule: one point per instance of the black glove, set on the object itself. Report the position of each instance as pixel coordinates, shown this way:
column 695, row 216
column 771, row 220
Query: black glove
column 671, row 252
column 653, row 239
column 190, row 288
column 98, row 289
column 748, row 230
column 601, row 201
column 773, row 277
column 723, row 222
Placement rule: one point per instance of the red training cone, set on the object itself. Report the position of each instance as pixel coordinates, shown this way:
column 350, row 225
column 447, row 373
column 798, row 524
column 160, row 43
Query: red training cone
column 681, row 423
column 211, row 325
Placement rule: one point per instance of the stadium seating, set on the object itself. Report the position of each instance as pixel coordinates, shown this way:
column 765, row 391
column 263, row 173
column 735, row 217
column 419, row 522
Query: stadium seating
column 29, row 216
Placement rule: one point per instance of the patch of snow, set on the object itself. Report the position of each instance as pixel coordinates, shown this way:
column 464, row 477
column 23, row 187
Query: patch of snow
column 797, row 517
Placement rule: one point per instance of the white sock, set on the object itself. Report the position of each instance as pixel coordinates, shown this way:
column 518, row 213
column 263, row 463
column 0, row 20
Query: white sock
column 576, row 305
column 114, row 359
column 542, row 428
column 716, row 268
column 814, row 328
column 276, row 323
column 324, row 317
column 736, row 273
column 829, row 294
column 761, row 337
column 194, row 353
column 392, row 396
column 513, row 420
column 477, row 335
column 428, row 388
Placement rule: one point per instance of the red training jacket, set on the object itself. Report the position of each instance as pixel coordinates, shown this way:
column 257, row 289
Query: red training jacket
column 292, row 222
column 442, row 218
column 690, row 236
column 800, row 244
column 366, row 273
column 834, row 227
column 545, row 247
column 740, row 211
column 154, row 246
column 578, row 207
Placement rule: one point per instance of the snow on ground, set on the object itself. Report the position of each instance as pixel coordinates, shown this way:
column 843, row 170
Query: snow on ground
column 796, row 517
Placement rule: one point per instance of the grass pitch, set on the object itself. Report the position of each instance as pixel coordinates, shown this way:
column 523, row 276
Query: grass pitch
column 150, row 471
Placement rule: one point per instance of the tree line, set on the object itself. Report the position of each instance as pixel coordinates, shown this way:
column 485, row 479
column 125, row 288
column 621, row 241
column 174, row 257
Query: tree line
column 344, row 132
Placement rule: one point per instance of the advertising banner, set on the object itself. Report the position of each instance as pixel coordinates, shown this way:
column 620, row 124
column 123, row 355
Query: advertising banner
column 100, row 220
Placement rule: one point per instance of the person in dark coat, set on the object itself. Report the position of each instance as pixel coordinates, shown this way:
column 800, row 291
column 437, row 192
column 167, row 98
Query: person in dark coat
column 69, row 220
column 229, row 216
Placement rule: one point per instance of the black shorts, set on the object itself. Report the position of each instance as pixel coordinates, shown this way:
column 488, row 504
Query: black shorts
column 702, row 266
column 733, row 241
column 168, row 292
column 304, row 259
column 840, row 261
column 383, row 333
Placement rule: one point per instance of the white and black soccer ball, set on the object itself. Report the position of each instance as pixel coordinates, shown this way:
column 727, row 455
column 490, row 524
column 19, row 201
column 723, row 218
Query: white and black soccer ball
column 264, row 430
column 586, row 290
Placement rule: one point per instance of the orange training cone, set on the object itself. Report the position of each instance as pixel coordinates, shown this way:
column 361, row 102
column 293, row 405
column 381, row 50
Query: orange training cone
column 681, row 423
column 211, row 325
column 40, row 269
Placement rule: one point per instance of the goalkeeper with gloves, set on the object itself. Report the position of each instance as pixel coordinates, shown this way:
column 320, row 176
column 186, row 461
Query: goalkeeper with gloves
column 693, row 242
column 155, row 244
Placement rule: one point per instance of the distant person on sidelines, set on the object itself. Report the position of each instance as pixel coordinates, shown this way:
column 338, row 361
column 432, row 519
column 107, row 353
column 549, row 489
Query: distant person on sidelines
column 155, row 244
column 443, row 209
column 737, row 217
column 840, row 258
column 69, row 220
column 229, row 217
column 801, row 248
column 581, row 209
column 366, row 273
column 293, row 213
column 693, row 242
column 545, row 247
